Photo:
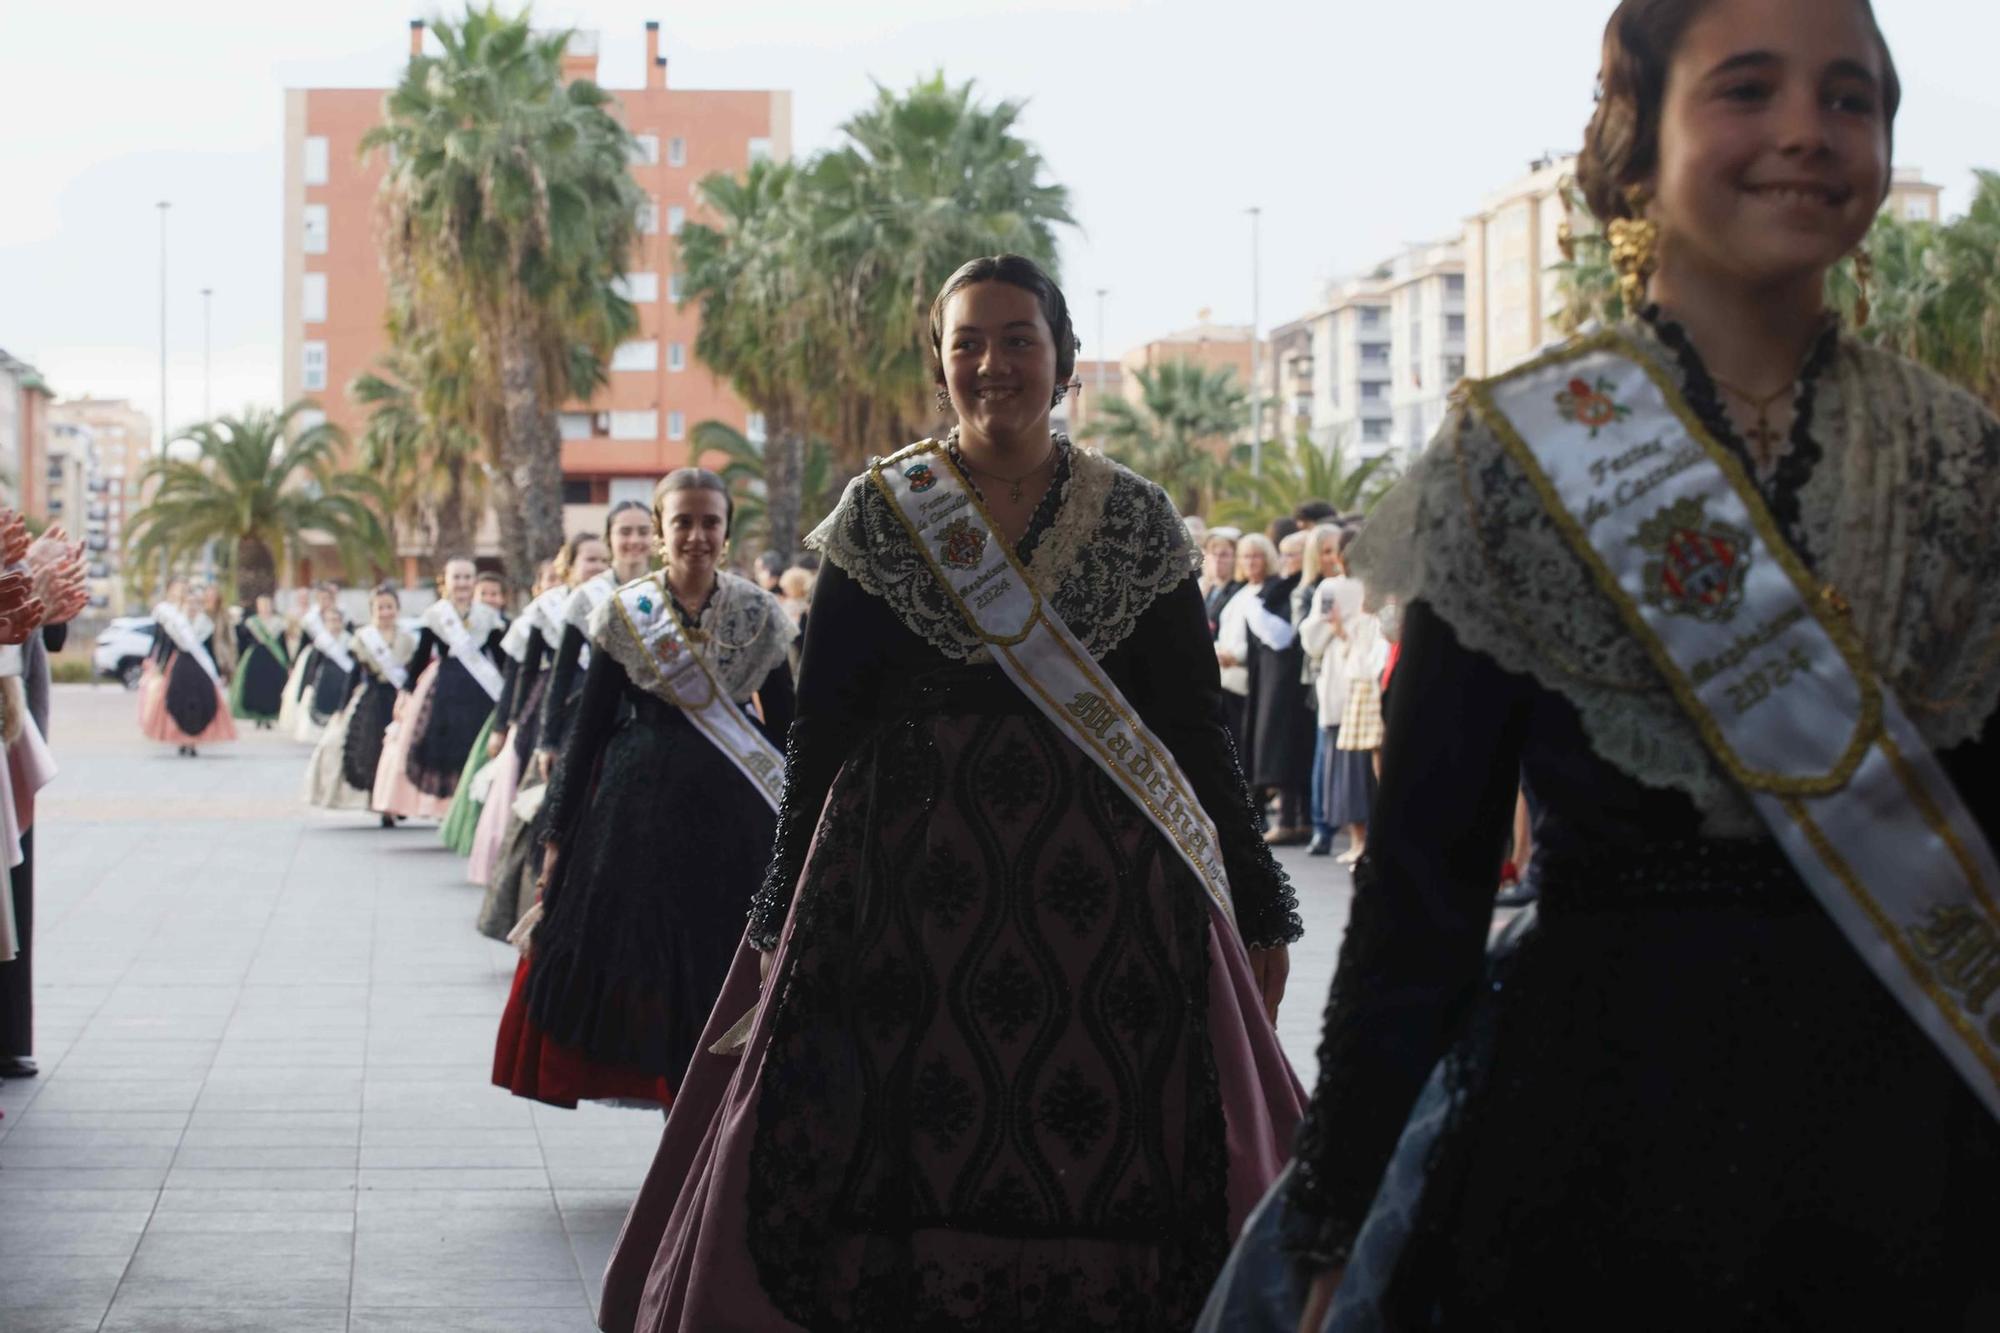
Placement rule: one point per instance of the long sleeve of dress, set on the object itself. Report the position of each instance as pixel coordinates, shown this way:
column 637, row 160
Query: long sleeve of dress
column 427, row 644
column 161, row 643
column 1416, row 935
column 503, row 707
column 839, row 667
column 1168, row 665
column 562, row 679
column 780, row 703
column 515, row 705
column 576, row 769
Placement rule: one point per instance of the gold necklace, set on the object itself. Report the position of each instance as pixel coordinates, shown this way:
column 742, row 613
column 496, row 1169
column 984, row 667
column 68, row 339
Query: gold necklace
column 1763, row 438
column 1013, row 483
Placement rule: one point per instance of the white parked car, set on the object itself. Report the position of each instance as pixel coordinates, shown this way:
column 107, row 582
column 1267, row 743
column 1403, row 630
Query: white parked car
column 121, row 649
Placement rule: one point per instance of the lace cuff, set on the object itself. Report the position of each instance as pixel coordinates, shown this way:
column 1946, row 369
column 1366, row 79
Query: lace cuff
column 1267, row 907
column 797, row 816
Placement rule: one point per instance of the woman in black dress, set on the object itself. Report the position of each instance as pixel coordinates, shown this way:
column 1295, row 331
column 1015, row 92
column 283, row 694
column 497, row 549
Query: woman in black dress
column 628, row 531
column 257, row 691
column 656, row 840
column 1257, row 633
column 183, row 701
column 382, row 650
column 1682, row 1100
column 445, row 702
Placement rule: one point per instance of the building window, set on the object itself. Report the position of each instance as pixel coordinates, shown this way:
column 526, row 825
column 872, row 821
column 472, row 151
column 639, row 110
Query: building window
column 1454, row 326
column 313, row 371
column 1374, row 430
column 1454, row 369
column 677, row 356
column 676, row 219
column 316, row 233
column 760, row 150
column 649, row 217
column 307, row 420
column 638, row 288
column 674, row 288
column 635, row 425
column 1371, row 317
column 1454, row 284
column 574, row 425
column 641, row 354
column 1374, row 354
column 754, row 429
column 1373, row 391
column 312, row 298
column 646, row 148
column 676, row 426
column 677, row 152
column 316, row 159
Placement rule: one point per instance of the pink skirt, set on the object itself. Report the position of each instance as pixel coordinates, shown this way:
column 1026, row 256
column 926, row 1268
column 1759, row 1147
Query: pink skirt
column 395, row 794
column 158, row 724
column 494, row 817
column 682, row 1262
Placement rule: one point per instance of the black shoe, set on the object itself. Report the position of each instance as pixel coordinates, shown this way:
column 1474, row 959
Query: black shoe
column 18, row 1066
column 388, row 821
column 1322, row 845
column 1516, row 894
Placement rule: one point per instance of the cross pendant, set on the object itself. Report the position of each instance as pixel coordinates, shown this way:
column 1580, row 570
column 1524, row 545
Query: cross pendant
column 1763, row 441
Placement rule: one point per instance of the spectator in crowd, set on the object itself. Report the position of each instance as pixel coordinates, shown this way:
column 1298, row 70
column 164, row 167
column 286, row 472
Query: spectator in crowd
column 1257, row 633
column 1322, row 565
column 1218, row 585
column 770, row 569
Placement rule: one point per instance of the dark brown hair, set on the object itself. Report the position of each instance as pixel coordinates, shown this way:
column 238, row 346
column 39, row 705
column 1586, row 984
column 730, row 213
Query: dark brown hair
column 566, row 558
column 1621, row 146
column 1016, row 271
column 692, row 479
column 624, row 505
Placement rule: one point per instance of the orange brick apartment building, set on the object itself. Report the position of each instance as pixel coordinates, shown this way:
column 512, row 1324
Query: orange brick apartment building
column 336, row 296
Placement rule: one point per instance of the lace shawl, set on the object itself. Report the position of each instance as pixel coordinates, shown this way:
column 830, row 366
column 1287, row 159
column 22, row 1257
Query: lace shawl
column 402, row 647
column 538, row 617
column 480, row 621
column 1116, row 545
column 1902, row 511
column 748, row 632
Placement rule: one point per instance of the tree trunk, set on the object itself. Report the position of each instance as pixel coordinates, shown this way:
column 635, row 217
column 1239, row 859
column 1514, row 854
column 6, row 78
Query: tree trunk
column 456, row 527
column 256, row 571
column 531, row 526
column 784, row 464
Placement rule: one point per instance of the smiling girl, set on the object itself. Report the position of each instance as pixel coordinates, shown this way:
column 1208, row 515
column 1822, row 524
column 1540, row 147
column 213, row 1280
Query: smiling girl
column 1705, row 1089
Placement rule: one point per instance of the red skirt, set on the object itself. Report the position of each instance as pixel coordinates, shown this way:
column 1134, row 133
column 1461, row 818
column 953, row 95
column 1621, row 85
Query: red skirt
column 528, row 1064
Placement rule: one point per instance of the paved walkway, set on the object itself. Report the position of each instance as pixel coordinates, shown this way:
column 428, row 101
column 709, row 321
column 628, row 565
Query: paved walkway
column 265, row 1035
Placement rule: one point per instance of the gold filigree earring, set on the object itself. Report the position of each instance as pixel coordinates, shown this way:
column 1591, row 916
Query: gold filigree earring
column 1864, row 282
column 1635, row 250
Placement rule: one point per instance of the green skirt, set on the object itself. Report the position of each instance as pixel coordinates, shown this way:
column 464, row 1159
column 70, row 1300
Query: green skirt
column 461, row 822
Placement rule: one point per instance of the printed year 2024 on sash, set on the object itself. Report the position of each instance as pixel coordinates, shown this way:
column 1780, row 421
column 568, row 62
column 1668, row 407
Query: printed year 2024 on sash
column 1768, row 669
column 981, row 573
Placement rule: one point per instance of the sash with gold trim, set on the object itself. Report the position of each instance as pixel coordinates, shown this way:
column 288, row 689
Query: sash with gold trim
column 381, row 656
column 987, row 582
column 445, row 622
column 666, row 664
column 324, row 641
column 1773, row 676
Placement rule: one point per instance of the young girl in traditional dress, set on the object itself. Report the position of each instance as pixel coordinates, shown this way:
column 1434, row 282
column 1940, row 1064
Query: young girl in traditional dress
column 628, row 529
column 257, row 691
column 318, row 688
column 510, row 891
column 454, row 678
column 657, row 834
column 1737, row 1076
column 183, row 702
column 341, row 775
column 1012, row 1067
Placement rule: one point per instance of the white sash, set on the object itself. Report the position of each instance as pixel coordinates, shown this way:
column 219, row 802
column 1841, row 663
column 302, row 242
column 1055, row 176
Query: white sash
column 444, row 621
column 324, row 642
column 1039, row 654
column 384, row 656
column 580, row 606
column 680, row 675
column 1772, row 674
column 183, row 634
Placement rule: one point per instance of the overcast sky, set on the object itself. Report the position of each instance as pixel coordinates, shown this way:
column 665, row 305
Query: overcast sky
column 1355, row 126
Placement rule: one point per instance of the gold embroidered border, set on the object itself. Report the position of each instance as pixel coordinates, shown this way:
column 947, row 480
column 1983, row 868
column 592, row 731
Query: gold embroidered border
column 1867, row 727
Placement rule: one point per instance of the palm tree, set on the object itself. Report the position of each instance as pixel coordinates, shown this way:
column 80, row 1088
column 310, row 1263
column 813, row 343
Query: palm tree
column 1295, row 473
column 418, row 444
column 927, row 179
column 1177, row 431
column 757, row 323
column 257, row 494
column 742, row 466
column 511, row 211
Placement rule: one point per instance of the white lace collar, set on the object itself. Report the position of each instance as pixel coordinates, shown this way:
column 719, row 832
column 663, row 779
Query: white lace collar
column 744, row 632
column 1116, row 545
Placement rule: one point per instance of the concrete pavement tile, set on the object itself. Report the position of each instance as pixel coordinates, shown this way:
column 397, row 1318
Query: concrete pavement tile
column 274, row 1289
column 104, row 1233
column 240, row 1200
column 55, row 1318
column 20, row 1157
column 72, row 1281
column 54, row 1135
column 129, row 1318
column 166, row 1223
column 446, row 1291
column 44, row 1179
column 525, row 1254
column 201, row 1256
column 473, row 1178
column 45, row 1199
column 159, row 1094
column 476, row 1153
column 238, row 1156
column 261, row 1178
column 113, row 1121
column 367, row 1319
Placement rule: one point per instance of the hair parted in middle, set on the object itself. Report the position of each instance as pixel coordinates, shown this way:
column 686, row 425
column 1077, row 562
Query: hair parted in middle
column 566, row 558
column 691, row 479
column 1621, row 145
column 1016, row 271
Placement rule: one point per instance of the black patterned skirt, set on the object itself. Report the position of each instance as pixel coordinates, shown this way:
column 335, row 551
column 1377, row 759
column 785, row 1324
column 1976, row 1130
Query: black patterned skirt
column 374, row 709
column 442, row 736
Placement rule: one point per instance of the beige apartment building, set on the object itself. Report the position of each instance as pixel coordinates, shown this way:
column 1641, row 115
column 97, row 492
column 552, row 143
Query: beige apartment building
column 617, row 444
column 106, row 443
column 24, row 437
column 1204, row 343
column 1512, row 254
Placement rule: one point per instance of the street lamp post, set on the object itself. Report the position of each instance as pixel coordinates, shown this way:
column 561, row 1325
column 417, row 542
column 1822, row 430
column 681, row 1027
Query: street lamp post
column 207, row 364
column 163, row 206
column 1256, row 352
